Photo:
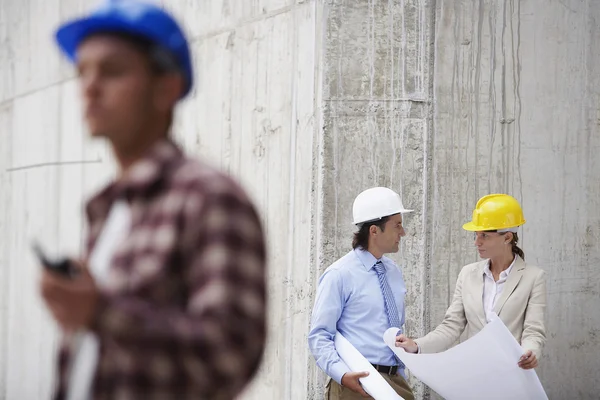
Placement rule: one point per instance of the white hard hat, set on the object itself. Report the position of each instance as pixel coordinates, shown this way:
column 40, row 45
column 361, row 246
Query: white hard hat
column 376, row 203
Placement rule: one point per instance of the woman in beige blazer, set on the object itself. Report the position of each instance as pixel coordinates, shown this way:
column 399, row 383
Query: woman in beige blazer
column 502, row 284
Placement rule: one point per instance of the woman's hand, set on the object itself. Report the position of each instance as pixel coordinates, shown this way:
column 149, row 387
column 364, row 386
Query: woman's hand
column 528, row 360
column 407, row 344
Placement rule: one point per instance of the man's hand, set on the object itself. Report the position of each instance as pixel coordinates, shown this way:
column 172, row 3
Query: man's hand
column 72, row 302
column 407, row 344
column 350, row 380
column 528, row 360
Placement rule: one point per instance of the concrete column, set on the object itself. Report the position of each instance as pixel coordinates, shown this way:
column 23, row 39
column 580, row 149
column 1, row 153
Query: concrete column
column 377, row 108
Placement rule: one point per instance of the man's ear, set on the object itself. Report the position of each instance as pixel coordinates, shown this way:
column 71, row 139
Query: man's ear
column 168, row 89
column 373, row 229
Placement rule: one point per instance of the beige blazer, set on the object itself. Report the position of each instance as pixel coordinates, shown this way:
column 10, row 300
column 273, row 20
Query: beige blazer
column 521, row 307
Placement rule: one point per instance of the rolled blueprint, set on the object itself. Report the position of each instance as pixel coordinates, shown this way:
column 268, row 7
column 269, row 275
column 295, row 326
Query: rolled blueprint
column 482, row 367
column 374, row 384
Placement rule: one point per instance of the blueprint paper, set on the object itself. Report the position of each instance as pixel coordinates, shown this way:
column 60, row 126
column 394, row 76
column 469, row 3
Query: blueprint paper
column 483, row 367
column 374, row 384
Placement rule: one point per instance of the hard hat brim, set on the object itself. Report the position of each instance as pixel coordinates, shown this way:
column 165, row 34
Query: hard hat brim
column 70, row 35
column 471, row 227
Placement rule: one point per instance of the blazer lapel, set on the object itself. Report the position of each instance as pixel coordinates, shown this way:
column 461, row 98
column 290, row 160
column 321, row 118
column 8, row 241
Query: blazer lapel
column 511, row 283
column 478, row 291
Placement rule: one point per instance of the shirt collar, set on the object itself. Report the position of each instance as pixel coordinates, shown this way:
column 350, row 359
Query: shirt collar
column 367, row 259
column 139, row 180
column 504, row 273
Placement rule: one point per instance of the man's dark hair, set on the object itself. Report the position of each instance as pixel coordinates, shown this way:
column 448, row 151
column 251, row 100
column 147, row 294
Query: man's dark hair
column 161, row 60
column 361, row 238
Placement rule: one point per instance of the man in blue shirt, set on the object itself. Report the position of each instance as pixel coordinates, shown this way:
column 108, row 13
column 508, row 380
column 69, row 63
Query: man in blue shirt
column 361, row 295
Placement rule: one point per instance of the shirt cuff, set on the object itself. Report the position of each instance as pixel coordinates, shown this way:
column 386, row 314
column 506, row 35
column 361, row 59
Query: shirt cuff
column 338, row 370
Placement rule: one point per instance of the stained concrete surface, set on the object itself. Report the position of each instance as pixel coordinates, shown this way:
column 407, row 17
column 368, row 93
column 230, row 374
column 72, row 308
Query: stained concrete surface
column 516, row 95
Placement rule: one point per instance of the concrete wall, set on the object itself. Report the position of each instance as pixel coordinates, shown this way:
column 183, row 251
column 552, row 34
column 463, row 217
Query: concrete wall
column 46, row 166
column 308, row 103
column 451, row 100
column 517, row 110
column 252, row 113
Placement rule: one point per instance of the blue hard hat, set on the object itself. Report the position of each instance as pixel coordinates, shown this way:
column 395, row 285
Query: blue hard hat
column 136, row 18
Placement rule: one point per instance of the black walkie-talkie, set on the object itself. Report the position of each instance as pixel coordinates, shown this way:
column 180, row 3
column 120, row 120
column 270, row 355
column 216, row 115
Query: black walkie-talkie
column 62, row 266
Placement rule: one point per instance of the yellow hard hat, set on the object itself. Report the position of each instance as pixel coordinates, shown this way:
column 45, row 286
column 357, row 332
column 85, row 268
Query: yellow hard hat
column 496, row 212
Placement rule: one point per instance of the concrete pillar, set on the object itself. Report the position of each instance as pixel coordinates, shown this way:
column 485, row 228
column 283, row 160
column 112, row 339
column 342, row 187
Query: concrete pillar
column 516, row 93
column 377, row 108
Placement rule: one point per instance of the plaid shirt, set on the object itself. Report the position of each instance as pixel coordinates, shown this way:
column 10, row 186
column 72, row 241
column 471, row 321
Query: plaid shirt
column 183, row 313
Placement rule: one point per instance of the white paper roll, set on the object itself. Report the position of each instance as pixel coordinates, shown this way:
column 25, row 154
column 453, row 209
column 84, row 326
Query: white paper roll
column 374, row 384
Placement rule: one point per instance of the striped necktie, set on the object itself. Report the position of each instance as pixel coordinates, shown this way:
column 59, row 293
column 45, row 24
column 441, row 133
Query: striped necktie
column 390, row 304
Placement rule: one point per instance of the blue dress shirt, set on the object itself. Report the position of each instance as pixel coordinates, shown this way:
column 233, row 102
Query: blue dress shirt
column 349, row 300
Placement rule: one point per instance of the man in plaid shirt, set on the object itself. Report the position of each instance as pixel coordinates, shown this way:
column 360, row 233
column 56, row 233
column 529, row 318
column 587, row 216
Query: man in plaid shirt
column 169, row 301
